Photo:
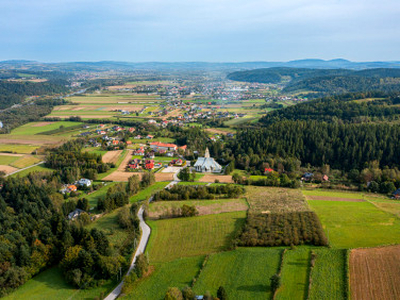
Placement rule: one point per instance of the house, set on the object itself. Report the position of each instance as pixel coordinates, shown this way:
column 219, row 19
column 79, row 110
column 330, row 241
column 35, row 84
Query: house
column 268, row 170
column 138, row 137
column 396, row 194
column 84, row 182
column 149, row 137
column 72, row 188
column 170, row 154
column 149, row 164
column 307, row 176
column 102, row 125
column 152, row 121
column 76, row 213
column 115, row 142
column 139, row 151
column 325, row 178
column 162, row 146
column 129, row 143
column 131, row 129
column 135, row 166
column 207, row 164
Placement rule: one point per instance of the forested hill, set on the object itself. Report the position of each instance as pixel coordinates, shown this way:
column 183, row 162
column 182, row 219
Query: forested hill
column 12, row 92
column 317, row 82
column 349, row 108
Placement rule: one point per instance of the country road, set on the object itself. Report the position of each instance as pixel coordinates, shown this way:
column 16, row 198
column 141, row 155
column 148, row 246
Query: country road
column 140, row 249
column 40, row 163
column 143, row 241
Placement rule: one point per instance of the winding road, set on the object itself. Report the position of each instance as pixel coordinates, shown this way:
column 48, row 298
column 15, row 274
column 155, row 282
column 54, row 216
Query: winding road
column 143, row 241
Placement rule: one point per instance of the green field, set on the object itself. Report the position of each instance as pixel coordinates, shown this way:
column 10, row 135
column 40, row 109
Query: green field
column 294, row 276
column 8, row 159
column 182, row 237
column 192, row 183
column 148, row 192
column 39, row 168
column 356, row 224
column 109, row 224
column 25, row 161
column 33, row 128
column 328, row 276
column 94, row 197
column 178, row 273
column 17, row 148
column 50, row 284
column 244, row 273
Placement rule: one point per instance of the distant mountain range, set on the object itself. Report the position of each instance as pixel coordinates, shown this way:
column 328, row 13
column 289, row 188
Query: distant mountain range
column 205, row 66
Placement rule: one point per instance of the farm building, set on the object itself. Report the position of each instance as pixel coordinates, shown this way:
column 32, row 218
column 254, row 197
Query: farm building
column 207, row 164
column 84, row 182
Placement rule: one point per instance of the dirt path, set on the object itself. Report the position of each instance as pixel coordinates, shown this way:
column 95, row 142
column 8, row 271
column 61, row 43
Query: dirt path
column 375, row 273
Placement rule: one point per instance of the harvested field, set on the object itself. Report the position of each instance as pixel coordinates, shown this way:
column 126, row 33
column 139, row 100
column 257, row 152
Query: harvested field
column 217, row 131
column 212, row 178
column 275, row 200
column 124, row 176
column 204, row 207
column 41, row 124
column 164, row 176
column 333, row 199
column 82, row 116
column 37, row 141
column 10, row 154
column 375, row 273
column 7, row 169
column 111, row 156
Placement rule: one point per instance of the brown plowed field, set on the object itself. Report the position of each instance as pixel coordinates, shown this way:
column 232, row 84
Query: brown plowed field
column 7, row 169
column 221, row 178
column 123, row 176
column 111, row 156
column 375, row 273
column 333, row 199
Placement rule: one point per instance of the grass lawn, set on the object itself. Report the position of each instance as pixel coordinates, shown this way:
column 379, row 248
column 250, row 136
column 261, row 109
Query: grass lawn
column 390, row 206
column 7, row 160
column 329, row 275
column 294, row 276
column 50, row 284
column 148, row 192
column 244, row 273
column 109, row 224
column 198, row 176
column 94, row 197
column 33, row 128
column 182, row 237
column 356, row 224
column 191, row 183
column 178, row 273
column 39, row 168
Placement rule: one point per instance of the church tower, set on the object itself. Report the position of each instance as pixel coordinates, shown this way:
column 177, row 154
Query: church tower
column 207, row 154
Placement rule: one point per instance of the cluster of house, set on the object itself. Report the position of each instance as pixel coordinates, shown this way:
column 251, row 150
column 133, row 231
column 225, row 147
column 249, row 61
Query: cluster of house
column 68, row 188
column 149, row 164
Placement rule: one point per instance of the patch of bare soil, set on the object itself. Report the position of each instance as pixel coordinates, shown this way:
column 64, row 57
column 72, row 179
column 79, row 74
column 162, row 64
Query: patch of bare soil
column 375, row 273
column 212, row 178
column 111, row 156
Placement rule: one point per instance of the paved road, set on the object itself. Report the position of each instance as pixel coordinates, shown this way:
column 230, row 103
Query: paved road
column 140, row 249
column 143, row 241
column 42, row 162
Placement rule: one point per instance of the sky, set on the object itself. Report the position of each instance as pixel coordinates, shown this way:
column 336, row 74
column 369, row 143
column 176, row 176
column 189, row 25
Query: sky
column 193, row 30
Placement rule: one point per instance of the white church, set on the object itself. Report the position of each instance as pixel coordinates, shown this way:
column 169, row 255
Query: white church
column 207, row 164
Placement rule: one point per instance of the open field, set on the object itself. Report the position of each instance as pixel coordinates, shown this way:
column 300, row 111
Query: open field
column 109, row 224
column 8, row 159
column 178, row 273
column 50, row 284
column 7, row 169
column 329, row 275
column 37, row 140
column 124, row 176
column 344, row 194
column 115, row 99
column 17, row 148
column 212, row 178
column 26, row 161
column 356, row 224
column 326, row 198
column 36, row 128
column 182, row 237
column 204, row 207
column 94, row 196
column 244, row 273
column 39, row 168
column 223, row 131
column 275, row 200
column 390, row 206
column 111, row 156
column 294, row 275
column 148, row 192
column 375, row 273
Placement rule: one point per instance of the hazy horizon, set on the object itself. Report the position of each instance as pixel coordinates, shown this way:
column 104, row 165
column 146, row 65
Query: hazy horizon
column 206, row 31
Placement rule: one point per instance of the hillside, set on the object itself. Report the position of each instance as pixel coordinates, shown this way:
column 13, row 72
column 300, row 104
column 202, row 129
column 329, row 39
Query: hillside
column 320, row 82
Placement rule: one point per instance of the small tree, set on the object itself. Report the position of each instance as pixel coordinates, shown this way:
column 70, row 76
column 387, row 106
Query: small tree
column 133, row 185
column 275, row 282
column 141, row 265
column 221, row 293
column 173, row 293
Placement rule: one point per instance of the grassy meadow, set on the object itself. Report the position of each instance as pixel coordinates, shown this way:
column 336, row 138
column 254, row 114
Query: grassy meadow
column 182, row 237
column 356, row 224
column 148, row 192
column 244, row 273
